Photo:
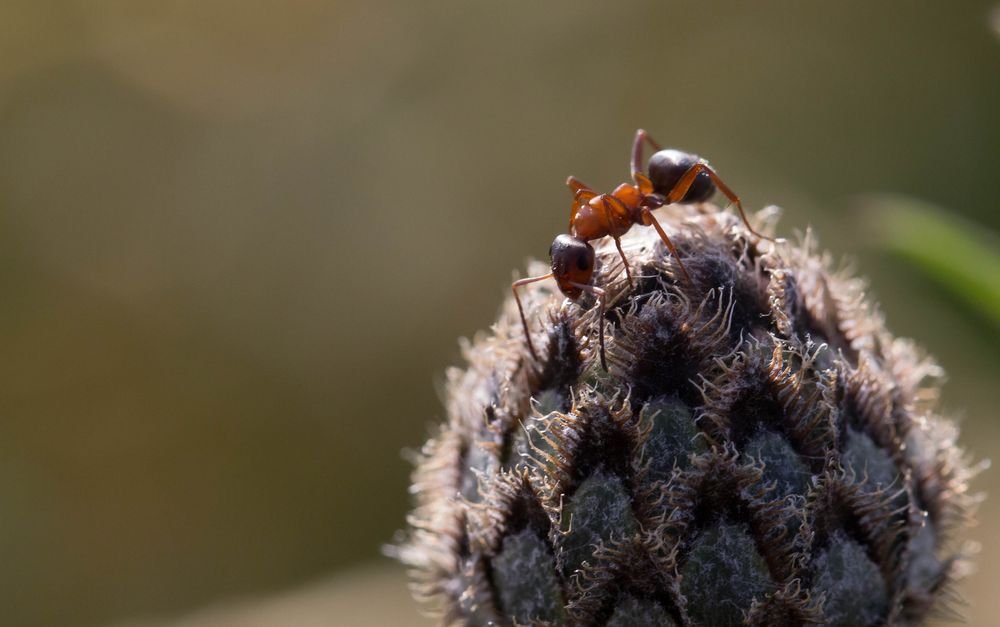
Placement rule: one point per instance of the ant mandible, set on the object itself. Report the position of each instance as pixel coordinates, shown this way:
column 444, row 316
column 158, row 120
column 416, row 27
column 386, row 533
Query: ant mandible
column 674, row 177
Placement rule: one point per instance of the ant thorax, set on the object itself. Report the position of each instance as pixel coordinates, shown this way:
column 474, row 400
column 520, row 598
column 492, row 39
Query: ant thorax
column 608, row 214
column 589, row 221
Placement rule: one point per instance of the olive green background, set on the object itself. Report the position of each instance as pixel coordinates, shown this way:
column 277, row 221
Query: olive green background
column 239, row 241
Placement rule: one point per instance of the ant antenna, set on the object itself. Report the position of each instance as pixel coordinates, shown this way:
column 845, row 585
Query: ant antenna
column 520, row 308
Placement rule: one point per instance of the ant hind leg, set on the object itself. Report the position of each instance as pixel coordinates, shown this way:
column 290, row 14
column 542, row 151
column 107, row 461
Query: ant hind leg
column 641, row 137
column 685, row 182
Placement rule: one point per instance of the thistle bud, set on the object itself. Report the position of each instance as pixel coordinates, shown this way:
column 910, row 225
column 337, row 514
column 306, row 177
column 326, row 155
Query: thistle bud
column 760, row 450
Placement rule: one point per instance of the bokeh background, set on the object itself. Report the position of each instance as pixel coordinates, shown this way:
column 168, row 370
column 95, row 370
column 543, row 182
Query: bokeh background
column 239, row 240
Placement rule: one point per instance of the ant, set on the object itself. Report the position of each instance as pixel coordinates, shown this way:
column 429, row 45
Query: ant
column 674, row 177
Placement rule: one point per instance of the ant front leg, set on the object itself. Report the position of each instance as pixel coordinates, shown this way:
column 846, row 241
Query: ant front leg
column 582, row 194
column 685, row 182
column 520, row 309
column 576, row 185
column 640, row 179
column 600, row 294
column 608, row 221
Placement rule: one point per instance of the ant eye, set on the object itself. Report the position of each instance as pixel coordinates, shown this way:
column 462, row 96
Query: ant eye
column 583, row 262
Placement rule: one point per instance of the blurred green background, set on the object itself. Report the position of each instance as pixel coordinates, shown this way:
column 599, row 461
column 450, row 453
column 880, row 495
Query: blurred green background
column 239, row 240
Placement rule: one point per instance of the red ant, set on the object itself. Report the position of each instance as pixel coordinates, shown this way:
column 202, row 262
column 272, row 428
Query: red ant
column 674, row 177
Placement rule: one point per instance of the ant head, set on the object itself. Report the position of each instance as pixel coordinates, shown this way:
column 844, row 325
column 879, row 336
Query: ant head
column 666, row 167
column 572, row 262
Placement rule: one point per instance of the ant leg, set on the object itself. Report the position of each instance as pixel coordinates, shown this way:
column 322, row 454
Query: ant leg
column 573, row 210
column 577, row 185
column 648, row 219
column 520, row 309
column 581, row 196
column 628, row 273
column 685, row 182
column 596, row 291
column 615, row 212
column 640, row 137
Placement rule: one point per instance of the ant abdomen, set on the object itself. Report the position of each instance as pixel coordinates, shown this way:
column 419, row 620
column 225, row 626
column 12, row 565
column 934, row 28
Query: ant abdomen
column 666, row 167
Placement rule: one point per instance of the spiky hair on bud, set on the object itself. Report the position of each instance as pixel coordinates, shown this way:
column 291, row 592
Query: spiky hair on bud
column 761, row 450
